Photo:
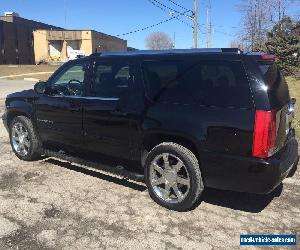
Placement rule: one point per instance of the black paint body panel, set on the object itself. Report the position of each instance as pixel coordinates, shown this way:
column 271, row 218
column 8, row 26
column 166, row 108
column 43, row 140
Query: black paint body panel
column 221, row 136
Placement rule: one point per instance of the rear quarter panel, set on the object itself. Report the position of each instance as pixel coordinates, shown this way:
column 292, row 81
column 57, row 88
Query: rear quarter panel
column 212, row 130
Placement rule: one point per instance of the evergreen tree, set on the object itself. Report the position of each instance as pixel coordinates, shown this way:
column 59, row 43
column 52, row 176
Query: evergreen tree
column 285, row 45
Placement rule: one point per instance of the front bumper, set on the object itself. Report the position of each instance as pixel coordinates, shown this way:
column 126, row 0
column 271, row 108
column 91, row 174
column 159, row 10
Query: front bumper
column 247, row 174
column 4, row 120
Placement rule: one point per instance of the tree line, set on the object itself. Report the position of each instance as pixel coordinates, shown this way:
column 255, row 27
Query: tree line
column 266, row 26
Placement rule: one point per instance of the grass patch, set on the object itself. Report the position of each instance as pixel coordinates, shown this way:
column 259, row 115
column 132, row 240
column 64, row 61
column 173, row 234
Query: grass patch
column 294, row 87
column 6, row 70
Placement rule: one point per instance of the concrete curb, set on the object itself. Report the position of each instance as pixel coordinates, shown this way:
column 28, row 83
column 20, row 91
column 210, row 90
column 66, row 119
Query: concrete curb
column 27, row 74
column 31, row 79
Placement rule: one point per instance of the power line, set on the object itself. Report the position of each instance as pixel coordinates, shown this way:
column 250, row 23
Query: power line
column 164, row 9
column 224, row 33
column 178, row 5
column 180, row 14
column 169, row 8
column 195, row 26
column 150, row 26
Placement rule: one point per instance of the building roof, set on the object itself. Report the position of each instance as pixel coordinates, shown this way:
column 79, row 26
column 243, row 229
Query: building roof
column 28, row 22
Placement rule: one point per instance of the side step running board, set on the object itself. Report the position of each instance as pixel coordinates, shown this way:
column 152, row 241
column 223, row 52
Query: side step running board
column 118, row 170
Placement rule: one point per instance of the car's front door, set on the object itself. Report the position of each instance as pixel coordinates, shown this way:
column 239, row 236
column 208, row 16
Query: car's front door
column 59, row 109
column 109, row 112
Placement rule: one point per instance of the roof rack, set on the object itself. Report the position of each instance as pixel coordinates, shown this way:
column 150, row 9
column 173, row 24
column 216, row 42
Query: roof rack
column 171, row 51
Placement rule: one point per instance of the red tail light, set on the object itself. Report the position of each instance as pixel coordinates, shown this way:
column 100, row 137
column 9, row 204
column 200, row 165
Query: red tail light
column 264, row 134
column 268, row 57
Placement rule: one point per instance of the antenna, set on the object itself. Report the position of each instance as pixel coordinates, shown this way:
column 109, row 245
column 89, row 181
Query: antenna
column 174, row 40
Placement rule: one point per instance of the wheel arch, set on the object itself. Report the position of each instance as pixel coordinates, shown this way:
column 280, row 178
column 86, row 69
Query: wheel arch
column 18, row 108
column 11, row 115
column 151, row 140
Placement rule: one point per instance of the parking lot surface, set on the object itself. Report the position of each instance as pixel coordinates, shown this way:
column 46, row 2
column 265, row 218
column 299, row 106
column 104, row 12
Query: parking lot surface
column 7, row 87
column 51, row 204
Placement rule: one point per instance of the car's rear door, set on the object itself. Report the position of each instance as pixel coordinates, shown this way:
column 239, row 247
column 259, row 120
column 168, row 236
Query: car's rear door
column 109, row 111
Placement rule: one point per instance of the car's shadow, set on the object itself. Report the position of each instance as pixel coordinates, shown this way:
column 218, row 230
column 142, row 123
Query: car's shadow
column 235, row 200
column 253, row 203
column 107, row 177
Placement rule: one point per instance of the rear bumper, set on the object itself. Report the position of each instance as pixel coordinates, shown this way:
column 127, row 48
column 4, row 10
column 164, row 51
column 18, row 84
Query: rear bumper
column 247, row 174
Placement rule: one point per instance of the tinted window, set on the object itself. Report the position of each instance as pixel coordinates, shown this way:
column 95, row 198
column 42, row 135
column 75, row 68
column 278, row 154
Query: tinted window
column 278, row 89
column 69, row 81
column 110, row 78
column 209, row 83
column 270, row 72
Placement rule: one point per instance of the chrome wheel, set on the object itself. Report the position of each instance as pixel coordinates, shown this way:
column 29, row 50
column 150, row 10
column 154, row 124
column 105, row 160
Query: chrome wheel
column 169, row 178
column 20, row 139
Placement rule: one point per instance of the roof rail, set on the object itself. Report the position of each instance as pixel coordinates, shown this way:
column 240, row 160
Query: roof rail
column 95, row 54
column 232, row 50
column 171, row 51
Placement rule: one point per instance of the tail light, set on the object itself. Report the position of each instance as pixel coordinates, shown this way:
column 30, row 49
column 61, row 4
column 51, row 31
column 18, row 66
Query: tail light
column 264, row 134
column 268, row 57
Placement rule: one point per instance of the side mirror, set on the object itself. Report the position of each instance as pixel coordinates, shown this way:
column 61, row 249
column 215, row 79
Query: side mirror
column 293, row 101
column 40, row 87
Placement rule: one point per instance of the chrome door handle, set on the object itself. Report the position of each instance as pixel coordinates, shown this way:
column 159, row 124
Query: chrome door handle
column 118, row 112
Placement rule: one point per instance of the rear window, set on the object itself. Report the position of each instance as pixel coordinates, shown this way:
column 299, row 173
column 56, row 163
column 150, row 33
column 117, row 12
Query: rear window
column 277, row 87
column 212, row 83
column 270, row 72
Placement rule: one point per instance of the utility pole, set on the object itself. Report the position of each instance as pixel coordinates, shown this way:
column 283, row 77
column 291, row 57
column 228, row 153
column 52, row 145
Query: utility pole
column 208, row 26
column 174, row 41
column 195, row 23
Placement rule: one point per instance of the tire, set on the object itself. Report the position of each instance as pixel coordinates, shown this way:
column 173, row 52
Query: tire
column 32, row 147
column 181, row 187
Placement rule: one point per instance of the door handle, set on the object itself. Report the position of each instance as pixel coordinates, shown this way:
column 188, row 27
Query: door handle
column 118, row 112
column 74, row 107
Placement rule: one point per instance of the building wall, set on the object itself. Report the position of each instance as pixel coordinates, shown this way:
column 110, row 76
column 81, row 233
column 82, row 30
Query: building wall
column 42, row 39
column 24, row 41
column 1, row 42
column 88, row 40
column 102, row 42
column 16, row 39
column 15, row 43
column 41, row 48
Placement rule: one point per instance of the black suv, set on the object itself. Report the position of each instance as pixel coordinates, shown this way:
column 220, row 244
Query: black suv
column 195, row 118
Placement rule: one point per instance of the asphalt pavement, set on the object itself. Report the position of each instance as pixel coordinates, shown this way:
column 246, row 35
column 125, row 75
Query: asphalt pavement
column 9, row 86
column 53, row 204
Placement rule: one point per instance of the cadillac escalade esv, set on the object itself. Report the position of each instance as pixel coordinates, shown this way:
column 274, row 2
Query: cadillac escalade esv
column 192, row 119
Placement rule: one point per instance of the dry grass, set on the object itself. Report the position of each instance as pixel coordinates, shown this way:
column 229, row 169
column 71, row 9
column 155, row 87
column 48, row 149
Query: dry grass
column 6, row 70
column 294, row 87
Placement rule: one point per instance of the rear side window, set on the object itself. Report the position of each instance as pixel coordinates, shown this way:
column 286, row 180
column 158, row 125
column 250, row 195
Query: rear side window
column 110, row 78
column 270, row 72
column 277, row 87
column 211, row 83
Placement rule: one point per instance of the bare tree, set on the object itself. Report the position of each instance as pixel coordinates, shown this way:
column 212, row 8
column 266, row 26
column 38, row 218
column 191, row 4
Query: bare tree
column 237, row 43
column 256, row 21
column 159, row 40
column 258, row 17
